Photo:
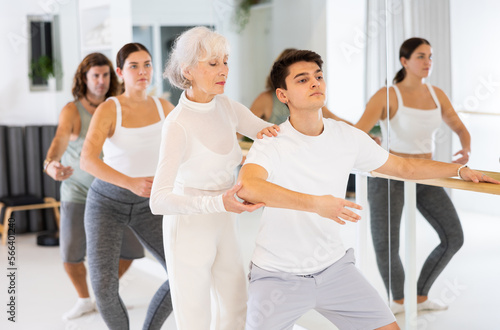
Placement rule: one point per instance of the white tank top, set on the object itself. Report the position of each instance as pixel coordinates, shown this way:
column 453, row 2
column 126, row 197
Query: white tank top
column 134, row 151
column 412, row 130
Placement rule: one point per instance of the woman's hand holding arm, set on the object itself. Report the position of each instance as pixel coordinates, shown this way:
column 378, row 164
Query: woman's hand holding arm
column 231, row 204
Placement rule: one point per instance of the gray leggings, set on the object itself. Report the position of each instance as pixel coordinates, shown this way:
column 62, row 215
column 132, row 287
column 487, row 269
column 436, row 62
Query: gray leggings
column 437, row 208
column 109, row 210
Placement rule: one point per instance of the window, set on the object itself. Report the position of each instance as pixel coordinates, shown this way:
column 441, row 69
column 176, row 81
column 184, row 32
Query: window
column 41, row 54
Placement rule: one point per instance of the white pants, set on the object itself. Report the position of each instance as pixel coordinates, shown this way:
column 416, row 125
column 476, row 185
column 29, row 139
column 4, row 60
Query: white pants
column 204, row 268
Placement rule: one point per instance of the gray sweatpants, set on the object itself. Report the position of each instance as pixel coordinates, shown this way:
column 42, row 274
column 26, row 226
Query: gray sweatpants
column 340, row 293
column 109, row 210
column 436, row 207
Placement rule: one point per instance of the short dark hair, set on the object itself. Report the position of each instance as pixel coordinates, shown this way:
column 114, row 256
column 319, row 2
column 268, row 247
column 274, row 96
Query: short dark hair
column 269, row 83
column 80, row 79
column 280, row 69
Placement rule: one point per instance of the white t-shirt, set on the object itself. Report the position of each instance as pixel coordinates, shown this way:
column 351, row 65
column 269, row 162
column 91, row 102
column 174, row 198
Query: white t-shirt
column 301, row 242
column 199, row 153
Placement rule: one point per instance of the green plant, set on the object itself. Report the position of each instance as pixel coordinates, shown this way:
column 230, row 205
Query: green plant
column 43, row 68
column 242, row 13
column 376, row 130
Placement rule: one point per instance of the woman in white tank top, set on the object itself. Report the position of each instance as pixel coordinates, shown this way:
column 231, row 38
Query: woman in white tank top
column 128, row 129
column 416, row 110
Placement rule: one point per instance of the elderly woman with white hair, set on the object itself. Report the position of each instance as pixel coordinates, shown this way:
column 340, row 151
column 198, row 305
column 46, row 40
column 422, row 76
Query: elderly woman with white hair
column 193, row 186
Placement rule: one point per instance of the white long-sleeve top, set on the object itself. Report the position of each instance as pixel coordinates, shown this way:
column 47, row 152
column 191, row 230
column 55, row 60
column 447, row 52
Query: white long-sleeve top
column 198, row 155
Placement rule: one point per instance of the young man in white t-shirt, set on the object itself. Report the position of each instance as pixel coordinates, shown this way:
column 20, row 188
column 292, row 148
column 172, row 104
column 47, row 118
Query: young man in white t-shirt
column 299, row 262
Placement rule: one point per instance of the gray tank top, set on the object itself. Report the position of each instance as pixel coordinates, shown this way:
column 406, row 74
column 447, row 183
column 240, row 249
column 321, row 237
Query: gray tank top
column 75, row 188
column 280, row 111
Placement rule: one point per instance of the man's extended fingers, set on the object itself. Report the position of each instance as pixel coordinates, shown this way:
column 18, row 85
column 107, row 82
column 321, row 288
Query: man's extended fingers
column 486, row 178
column 339, row 221
column 350, row 216
column 352, row 205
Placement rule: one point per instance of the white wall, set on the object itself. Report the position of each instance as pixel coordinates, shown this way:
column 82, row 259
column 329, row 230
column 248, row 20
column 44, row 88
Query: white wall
column 19, row 106
column 475, row 32
column 346, row 58
column 218, row 13
column 286, row 26
column 299, row 24
column 272, row 28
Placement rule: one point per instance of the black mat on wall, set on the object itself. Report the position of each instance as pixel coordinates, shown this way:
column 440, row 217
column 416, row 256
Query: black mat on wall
column 4, row 184
column 22, row 150
column 17, row 171
column 34, row 174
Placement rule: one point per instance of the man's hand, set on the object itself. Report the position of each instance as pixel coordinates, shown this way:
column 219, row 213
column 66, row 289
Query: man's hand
column 468, row 174
column 231, row 204
column 59, row 172
column 334, row 208
column 269, row 131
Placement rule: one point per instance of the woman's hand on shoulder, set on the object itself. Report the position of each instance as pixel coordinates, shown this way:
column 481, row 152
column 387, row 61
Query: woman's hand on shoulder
column 269, row 131
column 141, row 186
column 231, row 204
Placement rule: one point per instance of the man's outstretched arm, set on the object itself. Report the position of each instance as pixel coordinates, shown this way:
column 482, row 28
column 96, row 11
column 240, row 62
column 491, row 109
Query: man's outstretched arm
column 417, row 169
column 256, row 189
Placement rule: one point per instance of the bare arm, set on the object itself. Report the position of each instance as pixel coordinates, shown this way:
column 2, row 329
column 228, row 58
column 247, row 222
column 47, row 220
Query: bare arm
column 68, row 116
column 256, row 189
column 417, row 168
column 451, row 118
column 101, row 127
column 374, row 111
column 262, row 106
column 167, row 106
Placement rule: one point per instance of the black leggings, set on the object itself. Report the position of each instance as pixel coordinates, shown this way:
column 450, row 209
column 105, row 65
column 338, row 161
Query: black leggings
column 436, row 207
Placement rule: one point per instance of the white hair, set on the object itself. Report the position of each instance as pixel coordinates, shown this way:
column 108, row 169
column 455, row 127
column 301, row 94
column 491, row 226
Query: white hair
column 192, row 46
